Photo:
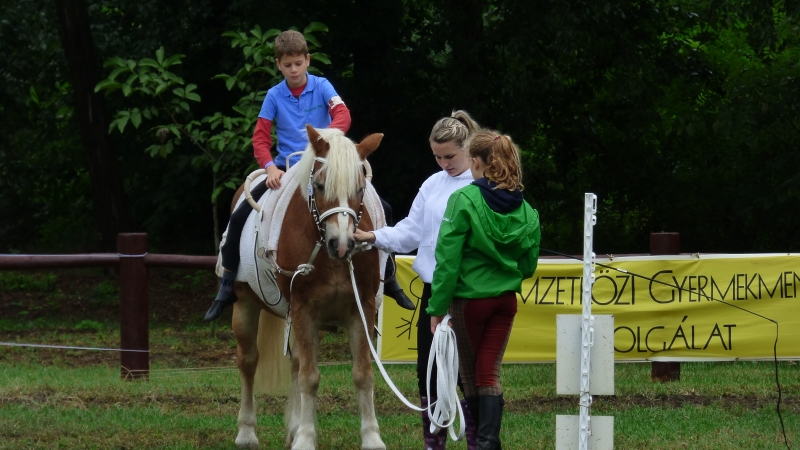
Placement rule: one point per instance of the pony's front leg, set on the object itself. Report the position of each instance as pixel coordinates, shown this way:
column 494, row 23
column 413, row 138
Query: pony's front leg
column 306, row 344
column 292, row 413
column 245, row 329
column 364, row 380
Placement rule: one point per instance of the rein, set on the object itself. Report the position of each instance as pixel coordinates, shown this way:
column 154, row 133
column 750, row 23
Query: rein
column 444, row 410
column 447, row 408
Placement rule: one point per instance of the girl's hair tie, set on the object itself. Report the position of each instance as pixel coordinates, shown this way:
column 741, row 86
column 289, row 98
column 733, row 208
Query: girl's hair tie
column 497, row 137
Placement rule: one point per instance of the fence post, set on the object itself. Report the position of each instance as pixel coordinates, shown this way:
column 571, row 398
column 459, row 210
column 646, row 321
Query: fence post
column 134, row 306
column 665, row 244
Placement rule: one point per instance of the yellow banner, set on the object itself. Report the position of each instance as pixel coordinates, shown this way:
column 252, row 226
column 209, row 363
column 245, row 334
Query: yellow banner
column 710, row 307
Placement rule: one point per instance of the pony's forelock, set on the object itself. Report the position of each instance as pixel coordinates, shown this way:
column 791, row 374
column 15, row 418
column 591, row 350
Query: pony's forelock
column 342, row 166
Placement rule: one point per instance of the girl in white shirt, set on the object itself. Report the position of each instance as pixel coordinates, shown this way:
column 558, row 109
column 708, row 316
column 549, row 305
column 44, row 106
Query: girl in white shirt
column 419, row 231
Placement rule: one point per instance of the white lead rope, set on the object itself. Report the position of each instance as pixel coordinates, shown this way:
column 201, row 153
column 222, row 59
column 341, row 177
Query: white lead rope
column 447, row 405
column 445, row 352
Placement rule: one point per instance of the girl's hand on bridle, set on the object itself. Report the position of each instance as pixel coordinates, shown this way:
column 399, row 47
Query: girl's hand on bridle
column 364, row 236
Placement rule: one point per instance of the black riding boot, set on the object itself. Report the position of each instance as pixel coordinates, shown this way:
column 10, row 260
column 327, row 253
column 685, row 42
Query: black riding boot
column 393, row 289
column 225, row 297
column 490, row 417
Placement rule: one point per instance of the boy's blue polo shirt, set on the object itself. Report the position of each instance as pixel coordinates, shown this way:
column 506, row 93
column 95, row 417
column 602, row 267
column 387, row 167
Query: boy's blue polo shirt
column 290, row 115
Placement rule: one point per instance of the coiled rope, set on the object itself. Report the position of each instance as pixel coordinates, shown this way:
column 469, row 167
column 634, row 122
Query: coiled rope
column 446, row 408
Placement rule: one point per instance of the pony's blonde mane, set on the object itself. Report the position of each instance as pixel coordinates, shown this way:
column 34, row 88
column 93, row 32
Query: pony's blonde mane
column 343, row 166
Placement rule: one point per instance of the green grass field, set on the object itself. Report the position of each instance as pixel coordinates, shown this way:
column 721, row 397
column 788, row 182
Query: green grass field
column 75, row 399
column 714, row 406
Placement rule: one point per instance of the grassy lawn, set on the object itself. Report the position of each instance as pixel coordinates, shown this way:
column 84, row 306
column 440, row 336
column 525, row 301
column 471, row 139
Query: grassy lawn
column 722, row 405
column 75, row 399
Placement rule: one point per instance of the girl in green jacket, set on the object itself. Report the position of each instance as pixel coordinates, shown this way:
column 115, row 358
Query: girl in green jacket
column 488, row 243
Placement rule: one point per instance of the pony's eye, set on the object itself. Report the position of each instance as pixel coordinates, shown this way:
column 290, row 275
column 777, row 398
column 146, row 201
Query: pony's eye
column 320, row 187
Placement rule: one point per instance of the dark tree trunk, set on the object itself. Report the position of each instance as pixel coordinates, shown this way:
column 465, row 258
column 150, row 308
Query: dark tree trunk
column 371, row 42
column 111, row 207
column 469, row 88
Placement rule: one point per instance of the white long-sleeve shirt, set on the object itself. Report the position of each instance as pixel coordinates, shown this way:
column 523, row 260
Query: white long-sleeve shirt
column 421, row 228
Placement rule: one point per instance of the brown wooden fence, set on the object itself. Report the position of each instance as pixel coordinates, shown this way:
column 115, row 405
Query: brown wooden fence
column 133, row 261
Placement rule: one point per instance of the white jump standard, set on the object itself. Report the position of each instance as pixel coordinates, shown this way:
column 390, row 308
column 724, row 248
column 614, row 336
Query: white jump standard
column 585, row 344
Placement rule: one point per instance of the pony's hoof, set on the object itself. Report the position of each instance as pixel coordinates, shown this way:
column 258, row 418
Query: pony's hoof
column 374, row 445
column 247, row 439
column 371, row 439
column 303, row 443
column 247, row 445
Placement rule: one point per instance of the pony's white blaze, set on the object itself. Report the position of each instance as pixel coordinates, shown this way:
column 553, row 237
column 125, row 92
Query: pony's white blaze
column 345, row 236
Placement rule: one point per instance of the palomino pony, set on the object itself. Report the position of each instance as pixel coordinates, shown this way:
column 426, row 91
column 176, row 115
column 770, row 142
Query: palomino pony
column 333, row 166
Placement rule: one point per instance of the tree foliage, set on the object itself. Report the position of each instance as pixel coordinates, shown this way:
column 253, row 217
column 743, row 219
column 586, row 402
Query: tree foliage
column 681, row 115
column 223, row 143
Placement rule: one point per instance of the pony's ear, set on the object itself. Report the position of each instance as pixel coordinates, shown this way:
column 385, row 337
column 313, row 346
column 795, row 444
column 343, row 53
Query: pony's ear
column 321, row 146
column 369, row 144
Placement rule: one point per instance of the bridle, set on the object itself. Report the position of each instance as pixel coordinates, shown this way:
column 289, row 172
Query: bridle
column 319, row 219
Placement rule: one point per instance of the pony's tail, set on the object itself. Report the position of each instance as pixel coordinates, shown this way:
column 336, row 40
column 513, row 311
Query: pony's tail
column 273, row 373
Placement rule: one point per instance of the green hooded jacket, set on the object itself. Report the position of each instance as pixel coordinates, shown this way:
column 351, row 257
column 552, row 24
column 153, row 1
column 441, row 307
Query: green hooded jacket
column 481, row 253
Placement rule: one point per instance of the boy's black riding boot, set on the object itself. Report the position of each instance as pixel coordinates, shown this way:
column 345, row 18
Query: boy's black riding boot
column 225, row 297
column 393, row 289
column 490, row 417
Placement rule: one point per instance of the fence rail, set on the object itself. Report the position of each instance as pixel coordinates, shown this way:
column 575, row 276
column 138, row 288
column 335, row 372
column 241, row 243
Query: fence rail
column 133, row 261
column 34, row 262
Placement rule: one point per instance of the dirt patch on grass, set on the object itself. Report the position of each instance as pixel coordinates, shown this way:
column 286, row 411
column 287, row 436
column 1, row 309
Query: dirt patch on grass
column 80, row 308
column 599, row 403
column 209, row 399
column 176, row 296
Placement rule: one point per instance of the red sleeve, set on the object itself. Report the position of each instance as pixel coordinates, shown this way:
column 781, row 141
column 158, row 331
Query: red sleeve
column 262, row 141
column 340, row 117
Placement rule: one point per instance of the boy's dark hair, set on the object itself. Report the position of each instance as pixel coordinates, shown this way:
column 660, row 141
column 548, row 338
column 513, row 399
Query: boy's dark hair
column 291, row 43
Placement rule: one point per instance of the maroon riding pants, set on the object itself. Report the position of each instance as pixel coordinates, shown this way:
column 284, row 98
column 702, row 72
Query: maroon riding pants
column 482, row 329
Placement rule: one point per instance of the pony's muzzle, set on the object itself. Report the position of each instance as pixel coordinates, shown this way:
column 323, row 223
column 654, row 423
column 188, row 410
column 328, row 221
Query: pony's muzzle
column 338, row 237
column 341, row 249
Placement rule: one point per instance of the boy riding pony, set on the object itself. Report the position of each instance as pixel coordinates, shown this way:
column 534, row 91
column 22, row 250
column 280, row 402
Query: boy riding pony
column 300, row 99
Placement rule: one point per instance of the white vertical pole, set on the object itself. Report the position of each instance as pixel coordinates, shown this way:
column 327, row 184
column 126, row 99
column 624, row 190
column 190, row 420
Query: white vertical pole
column 587, row 331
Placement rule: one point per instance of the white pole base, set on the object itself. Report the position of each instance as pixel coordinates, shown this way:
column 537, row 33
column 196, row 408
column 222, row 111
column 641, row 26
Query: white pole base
column 567, row 435
column 568, row 355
